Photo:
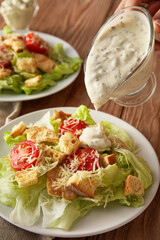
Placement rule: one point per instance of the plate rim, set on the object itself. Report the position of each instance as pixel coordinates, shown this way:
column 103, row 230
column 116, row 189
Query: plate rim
column 14, row 97
column 67, row 234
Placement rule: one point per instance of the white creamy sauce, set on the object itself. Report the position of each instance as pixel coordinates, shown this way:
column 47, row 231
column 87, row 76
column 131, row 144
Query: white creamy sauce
column 118, row 49
column 95, row 137
column 18, row 13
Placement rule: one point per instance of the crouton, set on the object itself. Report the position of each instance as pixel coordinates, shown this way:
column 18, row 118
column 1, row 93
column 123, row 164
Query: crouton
column 41, row 135
column 26, row 178
column 5, row 72
column 133, row 186
column 18, row 45
column 60, row 115
column 69, row 143
column 82, row 186
column 18, row 130
column 56, row 156
column 43, row 62
column 58, row 191
column 8, row 42
column 33, row 82
column 27, row 64
column 108, row 160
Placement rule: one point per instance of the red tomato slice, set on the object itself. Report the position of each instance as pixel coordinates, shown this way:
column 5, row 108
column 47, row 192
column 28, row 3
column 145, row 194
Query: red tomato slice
column 5, row 57
column 88, row 158
column 23, row 155
column 74, row 126
column 36, row 44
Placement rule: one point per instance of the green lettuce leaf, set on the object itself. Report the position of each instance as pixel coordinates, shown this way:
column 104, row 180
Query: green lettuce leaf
column 13, row 82
column 44, row 121
column 133, row 201
column 9, row 189
column 13, row 141
column 55, row 125
column 27, row 75
column 27, row 209
column 44, row 84
column 60, row 213
column 13, row 196
column 120, row 133
column 60, row 72
column 23, row 54
column 84, row 115
column 65, row 65
column 7, row 30
column 113, row 175
column 140, row 167
column 59, row 55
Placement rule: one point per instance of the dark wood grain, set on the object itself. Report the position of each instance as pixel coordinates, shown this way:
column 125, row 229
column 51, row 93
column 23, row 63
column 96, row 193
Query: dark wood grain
column 77, row 22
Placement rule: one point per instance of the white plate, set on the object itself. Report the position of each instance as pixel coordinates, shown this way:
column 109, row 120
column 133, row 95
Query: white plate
column 99, row 220
column 52, row 40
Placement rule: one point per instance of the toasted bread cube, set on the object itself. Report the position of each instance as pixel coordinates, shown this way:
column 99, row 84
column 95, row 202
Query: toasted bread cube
column 8, row 42
column 4, row 72
column 26, row 178
column 108, row 160
column 41, row 135
column 18, row 129
column 60, row 115
column 18, row 45
column 43, row 62
column 69, row 143
column 33, row 82
column 27, row 64
column 56, row 156
column 133, row 186
column 82, row 186
column 55, row 191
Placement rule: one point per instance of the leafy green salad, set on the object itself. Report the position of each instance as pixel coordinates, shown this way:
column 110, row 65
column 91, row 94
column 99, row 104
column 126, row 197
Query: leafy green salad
column 63, row 165
column 28, row 64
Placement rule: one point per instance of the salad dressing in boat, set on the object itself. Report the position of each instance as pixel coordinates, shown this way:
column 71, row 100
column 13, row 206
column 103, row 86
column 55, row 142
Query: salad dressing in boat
column 18, row 13
column 118, row 49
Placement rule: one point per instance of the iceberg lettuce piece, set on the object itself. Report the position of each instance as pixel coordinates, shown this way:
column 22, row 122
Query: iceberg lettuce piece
column 113, row 175
column 60, row 72
column 44, row 121
column 7, row 30
column 84, row 115
column 65, row 65
column 13, row 141
column 134, row 201
column 13, row 83
column 60, row 213
column 9, row 189
column 56, row 125
column 44, row 84
column 23, row 200
column 140, row 167
column 27, row 209
column 59, row 55
column 120, row 133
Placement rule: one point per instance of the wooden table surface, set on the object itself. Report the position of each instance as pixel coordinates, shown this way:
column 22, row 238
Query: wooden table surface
column 77, row 21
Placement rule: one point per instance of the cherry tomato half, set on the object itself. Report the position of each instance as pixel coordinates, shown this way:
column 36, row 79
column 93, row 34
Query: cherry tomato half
column 88, row 158
column 74, row 126
column 23, row 155
column 36, row 44
column 5, row 57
